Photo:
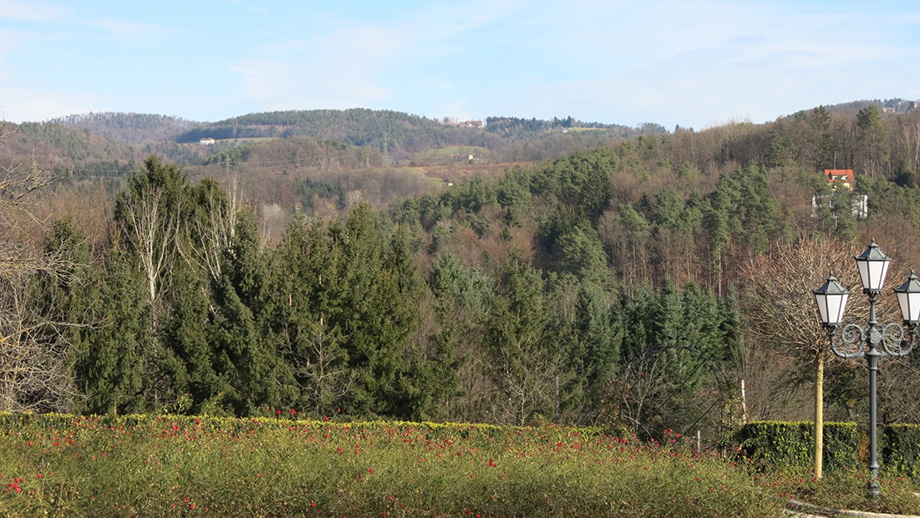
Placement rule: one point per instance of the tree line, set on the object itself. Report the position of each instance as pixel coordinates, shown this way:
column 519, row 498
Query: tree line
column 614, row 286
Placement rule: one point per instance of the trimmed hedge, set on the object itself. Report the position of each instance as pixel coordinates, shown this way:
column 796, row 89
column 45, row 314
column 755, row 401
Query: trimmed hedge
column 901, row 450
column 234, row 425
column 781, row 444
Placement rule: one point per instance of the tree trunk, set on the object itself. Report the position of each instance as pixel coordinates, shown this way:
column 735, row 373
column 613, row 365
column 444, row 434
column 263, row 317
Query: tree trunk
column 819, row 417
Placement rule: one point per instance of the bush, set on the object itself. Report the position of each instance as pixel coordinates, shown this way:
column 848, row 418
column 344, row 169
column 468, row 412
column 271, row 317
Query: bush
column 163, row 466
column 791, row 444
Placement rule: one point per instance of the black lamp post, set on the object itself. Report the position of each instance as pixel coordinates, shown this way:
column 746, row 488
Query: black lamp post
column 874, row 340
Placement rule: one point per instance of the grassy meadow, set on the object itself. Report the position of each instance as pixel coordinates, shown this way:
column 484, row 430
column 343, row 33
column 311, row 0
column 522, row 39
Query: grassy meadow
column 62, row 465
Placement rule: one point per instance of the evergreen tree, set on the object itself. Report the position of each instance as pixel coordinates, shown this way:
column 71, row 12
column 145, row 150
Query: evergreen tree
column 823, row 140
column 525, row 368
column 873, row 150
column 114, row 365
column 244, row 345
column 581, row 254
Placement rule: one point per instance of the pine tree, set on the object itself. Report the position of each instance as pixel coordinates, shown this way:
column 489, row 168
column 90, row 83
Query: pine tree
column 114, row 364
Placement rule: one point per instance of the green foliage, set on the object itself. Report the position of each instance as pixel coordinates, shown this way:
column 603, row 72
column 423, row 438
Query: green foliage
column 785, row 444
column 581, row 253
column 523, row 360
column 155, row 466
column 901, row 449
column 112, row 365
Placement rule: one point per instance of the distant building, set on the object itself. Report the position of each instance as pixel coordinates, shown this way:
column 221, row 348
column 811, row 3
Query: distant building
column 840, row 178
column 843, row 179
column 471, row 124
column 207, row 141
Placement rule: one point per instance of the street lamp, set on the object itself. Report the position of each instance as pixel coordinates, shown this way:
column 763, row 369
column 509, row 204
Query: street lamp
column 855, row 341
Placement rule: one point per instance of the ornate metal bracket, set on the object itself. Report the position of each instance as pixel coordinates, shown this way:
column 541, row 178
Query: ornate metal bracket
column 855, row 341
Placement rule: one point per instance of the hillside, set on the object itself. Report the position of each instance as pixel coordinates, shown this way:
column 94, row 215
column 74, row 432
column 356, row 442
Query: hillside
column 97, row 144
column 630, row 284
column 127, row 128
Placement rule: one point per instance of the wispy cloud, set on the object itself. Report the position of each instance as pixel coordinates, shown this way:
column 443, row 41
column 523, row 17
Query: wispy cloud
column 125, row 29
column 18, row 105
column 666, row 61
column 29, row 12
column 343, row 63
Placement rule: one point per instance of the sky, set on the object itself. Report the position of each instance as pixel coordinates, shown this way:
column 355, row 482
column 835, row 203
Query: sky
column 693, row 63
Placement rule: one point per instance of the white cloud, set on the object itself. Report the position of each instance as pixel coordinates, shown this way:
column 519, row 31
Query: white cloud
column 341, row 63
column 19, row 105
column 29, row 12
column 128, row 29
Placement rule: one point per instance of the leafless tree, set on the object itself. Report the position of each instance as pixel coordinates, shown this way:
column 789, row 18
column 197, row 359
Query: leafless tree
column 779, row 304
column 151, row 231
column 34, row 353
column 321, row 362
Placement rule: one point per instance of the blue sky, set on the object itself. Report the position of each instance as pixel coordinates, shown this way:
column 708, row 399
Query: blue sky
column 695, row 63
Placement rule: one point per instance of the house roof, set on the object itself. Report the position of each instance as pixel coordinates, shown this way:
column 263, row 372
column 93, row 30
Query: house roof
column 839, row 175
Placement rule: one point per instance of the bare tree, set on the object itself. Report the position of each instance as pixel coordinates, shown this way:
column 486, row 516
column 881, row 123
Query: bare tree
column 322, row 365
column 780, row 307
column 34, row 352
column 150, row 218
column 211, row 230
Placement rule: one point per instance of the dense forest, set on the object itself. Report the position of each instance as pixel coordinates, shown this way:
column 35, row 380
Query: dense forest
column 637, row 283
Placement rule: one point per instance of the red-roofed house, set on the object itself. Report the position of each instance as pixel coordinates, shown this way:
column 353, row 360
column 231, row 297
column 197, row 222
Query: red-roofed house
column 840, row 178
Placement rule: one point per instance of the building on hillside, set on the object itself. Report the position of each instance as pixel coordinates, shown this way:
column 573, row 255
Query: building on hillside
column 207, row 141
column 841, row 180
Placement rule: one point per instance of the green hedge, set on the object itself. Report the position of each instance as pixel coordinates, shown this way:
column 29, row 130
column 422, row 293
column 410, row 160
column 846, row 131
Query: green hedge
column 785, row 444
column 233, row 425
column 846, row 446
column 901, row 450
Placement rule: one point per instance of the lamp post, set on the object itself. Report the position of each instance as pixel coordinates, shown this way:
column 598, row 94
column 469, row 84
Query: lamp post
column 873, row 341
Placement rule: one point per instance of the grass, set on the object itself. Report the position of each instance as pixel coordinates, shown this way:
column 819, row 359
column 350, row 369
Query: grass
column 185, row 466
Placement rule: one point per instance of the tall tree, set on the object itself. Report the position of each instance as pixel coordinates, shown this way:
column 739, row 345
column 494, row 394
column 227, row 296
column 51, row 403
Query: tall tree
column 872, row 153
column 149, row 216
column 525, row 367
column 38, row 287
column 113, row 365
column 822, row 138
column 782, row 313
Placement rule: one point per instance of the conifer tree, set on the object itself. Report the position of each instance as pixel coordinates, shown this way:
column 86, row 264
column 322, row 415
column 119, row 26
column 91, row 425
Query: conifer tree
column 114, row 364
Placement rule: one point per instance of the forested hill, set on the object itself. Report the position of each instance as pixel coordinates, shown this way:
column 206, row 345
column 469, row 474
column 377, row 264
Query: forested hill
column 88, row 140
column 126, row 128
column 633, row 284
column 396, row 133
column 94, row 141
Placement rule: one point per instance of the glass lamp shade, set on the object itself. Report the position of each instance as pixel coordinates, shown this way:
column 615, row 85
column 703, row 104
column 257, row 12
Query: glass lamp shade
column 909, row 299
column 831, row 299
column 873, row 266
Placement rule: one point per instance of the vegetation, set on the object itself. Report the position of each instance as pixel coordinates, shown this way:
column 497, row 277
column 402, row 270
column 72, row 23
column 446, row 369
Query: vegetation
column 167, row 466
column 637, row 284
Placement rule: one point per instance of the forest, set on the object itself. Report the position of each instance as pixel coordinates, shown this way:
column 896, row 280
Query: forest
column 641, row 282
